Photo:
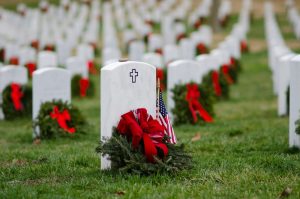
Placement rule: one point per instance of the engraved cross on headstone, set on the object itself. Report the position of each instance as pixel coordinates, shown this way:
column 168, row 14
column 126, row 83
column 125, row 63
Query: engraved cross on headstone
column 133, row 74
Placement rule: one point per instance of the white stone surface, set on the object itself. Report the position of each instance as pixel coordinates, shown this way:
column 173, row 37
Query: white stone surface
column 125, row 86
column 77, row 66
column 283, row 83
column 11, row 74
column 154, row 59
column 294, row 139
column 182, row 72
column 49, row 84
column 47, row 59
column 136, row 50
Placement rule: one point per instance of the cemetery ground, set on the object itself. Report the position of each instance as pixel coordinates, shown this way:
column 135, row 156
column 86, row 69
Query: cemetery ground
column 243, row 154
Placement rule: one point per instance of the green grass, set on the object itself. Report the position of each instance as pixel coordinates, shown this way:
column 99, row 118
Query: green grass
column 244, row 154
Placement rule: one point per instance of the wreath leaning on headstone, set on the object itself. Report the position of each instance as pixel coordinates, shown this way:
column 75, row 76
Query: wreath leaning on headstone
column 82, row 87
column 17, row 101
column 193, row 104
column 60, row 119
column 139, row 145
column 297, row 123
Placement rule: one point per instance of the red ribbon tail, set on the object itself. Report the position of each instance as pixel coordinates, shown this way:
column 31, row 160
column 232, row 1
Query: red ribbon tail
column 204, row 114
column 149, row 148
column 216, row 83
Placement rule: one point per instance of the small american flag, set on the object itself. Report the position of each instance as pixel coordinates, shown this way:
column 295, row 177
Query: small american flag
column 163, row 119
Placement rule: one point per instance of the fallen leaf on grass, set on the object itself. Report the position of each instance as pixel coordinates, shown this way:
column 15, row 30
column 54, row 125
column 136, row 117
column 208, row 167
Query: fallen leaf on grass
column 120, row 193
column 196, row 137
column 286, row 192
column 19, row 162
column 37, row 141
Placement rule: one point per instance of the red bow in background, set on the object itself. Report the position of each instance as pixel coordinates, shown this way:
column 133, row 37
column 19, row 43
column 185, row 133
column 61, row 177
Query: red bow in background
column 159, row 51
column 35, row 44
column 197, row 24
column 91, row 67
column 141, row 127
column 16, row 96
column 192, row 97
column 83, row 85
column 244, row 46
column 225, row 70
column 62, row 118
column 201, row 48
column 14, row 61
column 31, row 68
column 216, row 83
column 180, row 36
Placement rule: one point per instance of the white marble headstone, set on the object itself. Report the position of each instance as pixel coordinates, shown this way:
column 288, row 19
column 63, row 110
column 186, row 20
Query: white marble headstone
column 154, row 59
column 294, row 138
column 283, row 83
column 77, row 66
column 47, row 59
column 125, row 86
column 11, row 74
column 136, row 50
column 49, row 84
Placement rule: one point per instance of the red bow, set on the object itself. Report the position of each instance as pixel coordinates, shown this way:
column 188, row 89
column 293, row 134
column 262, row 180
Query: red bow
column 197, row 24
column 49, row 47
column 160, row 76
column 62, row 118
column 31, row 68
column 232, row 62
column 180, row 36
column 14, row 61
column 244, row 46
column 216, row 83
column 91, row 67
column 16, row 96
column 35, row 44
column 201, row 48
column 192, row 97
column 140, row 126
column 159, row 51
column 225, row 70
column 83, row 85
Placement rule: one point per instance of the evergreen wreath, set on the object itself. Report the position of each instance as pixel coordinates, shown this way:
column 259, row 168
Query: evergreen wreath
column 298, row 126
column 130, row 149
column 49, row 126
column 181, row 111
column 75, row 87
column 8, row 106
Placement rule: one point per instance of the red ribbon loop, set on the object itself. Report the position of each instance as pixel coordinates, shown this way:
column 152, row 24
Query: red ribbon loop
column 91, row 67
column 159, row 51
column 192, row 97
column 31, row 68
column 83, row 85
column 216, row 83
column 180, row 36
column 62, row 118
column 244, row 46
column 16, row 96
column 14, row 61
column 140, row 126
column 225, row 70
column 201, row 48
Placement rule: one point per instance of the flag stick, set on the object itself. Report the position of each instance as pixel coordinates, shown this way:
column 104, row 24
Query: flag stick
column 157, row 98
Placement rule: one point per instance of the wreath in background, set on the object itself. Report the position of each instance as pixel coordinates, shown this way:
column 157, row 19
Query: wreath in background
column 139, row 145
column 82, row 87
column 17, row 101
column 298, row 126
column 216, row 83
column 182, row 113
column 60, row 119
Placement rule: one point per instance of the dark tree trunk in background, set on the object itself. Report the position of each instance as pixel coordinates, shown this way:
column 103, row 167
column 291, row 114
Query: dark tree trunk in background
column 214, row 15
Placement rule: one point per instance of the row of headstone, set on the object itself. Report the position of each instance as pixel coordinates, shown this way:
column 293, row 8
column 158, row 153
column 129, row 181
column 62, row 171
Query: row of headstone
column 294, row 17
column 285, row 67
column 59, row 29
